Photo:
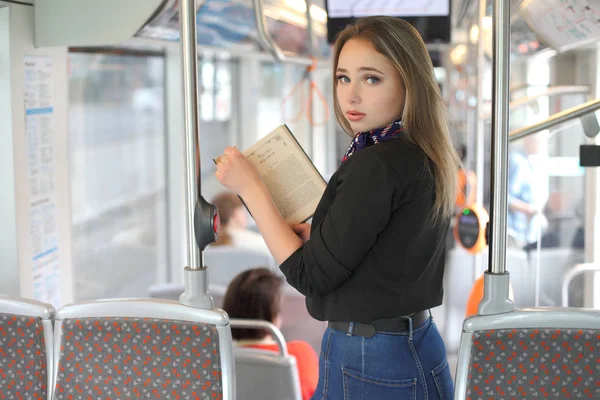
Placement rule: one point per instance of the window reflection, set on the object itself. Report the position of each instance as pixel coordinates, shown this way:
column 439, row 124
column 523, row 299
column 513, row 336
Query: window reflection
column 118, row 188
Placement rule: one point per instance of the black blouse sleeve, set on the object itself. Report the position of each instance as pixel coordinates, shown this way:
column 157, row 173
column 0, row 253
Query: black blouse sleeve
column 360, row 211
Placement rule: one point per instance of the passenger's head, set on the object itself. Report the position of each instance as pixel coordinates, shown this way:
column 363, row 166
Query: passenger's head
column 231, row 210
column 383, row 70
column 254, row 294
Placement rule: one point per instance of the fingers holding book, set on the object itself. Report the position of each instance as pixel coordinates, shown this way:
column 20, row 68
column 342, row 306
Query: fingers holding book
column 234, row 171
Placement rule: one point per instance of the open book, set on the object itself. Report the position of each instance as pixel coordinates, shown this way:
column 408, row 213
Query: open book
column 293, row 181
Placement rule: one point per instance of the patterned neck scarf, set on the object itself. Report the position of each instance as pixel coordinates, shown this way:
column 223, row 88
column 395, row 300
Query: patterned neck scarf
column 363, row 140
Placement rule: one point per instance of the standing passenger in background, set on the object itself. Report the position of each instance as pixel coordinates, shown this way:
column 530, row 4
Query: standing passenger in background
column 466, row 193
column 528, row 190
column 372, row 263
column 257, row 294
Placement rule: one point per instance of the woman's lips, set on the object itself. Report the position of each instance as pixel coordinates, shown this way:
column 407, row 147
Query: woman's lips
column 355, row 116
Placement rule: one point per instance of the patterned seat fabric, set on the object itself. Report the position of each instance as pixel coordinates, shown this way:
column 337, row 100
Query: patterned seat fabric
column 535, row 363
column 130, row 358
column 22, row 358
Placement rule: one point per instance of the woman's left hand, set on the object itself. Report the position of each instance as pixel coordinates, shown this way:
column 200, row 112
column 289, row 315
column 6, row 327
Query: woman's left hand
column 235, row 172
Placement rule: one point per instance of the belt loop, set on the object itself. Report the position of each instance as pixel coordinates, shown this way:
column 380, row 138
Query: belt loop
column 410, row 328
column 351, row 329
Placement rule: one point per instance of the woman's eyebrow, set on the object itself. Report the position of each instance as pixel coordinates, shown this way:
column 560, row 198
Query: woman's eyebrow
column 366, row 69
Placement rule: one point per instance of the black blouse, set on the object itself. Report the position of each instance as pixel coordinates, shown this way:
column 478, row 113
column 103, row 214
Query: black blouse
column 373, row 251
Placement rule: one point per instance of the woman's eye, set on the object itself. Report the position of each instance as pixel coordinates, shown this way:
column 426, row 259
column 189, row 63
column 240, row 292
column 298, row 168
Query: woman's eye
column 372, row 79
column 343, row 78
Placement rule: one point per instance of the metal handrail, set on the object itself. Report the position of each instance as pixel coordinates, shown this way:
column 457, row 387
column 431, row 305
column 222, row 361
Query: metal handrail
column 264, row 37
column 258, row 324
column 572, row 273
column 552, row 91
column 556, row 119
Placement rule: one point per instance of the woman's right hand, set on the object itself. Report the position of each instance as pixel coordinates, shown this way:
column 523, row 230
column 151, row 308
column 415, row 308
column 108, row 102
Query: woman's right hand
column 302, row 230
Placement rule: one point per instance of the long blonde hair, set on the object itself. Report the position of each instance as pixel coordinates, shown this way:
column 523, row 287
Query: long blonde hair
column 424, row 114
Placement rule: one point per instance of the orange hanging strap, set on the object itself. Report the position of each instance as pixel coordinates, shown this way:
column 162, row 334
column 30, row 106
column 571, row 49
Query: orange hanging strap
column 312, row 91
column 292, row 92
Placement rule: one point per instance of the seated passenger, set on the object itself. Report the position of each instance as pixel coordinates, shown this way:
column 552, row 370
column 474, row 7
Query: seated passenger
column 234, row 223
column 257, row 294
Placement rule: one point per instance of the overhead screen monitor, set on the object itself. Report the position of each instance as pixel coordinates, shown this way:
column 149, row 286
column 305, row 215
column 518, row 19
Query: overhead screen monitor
column 430, row 17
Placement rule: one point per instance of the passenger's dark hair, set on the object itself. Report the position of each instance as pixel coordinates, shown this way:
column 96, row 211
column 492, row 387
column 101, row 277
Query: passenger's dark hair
column 253, row 294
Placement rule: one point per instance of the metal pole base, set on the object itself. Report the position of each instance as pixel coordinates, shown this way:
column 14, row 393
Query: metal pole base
column 196, row 293
column 496, row 294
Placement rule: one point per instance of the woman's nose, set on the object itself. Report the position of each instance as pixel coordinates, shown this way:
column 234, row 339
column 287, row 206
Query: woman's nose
column 353, row 95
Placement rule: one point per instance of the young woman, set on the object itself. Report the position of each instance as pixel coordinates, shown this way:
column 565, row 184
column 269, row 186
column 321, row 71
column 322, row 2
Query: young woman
column 372, row 262
column 256, row 294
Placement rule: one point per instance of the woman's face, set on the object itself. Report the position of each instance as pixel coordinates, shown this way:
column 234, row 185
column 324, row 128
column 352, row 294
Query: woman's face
column 370, row 90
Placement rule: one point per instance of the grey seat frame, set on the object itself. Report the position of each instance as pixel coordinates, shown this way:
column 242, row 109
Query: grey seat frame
column 281, row 360
column 554, row 318
column 36, row 309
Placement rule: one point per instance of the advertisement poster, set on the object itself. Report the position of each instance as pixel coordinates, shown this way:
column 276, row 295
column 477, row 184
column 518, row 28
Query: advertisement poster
column 43, row 214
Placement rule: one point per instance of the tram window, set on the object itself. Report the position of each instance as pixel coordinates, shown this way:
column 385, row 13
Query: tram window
column 216, row 90
column 281, row 101
column 118, row 168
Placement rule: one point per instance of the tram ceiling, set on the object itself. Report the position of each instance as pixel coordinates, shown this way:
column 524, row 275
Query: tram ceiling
column 538, row 24
column 284, row 28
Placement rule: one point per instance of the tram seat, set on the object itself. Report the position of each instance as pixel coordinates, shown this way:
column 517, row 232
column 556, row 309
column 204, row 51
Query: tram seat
column 554, row 263
column 226, row 262
column 143, row 348
column 297, row 323
column 530, row 353
column 263, row 374
column 25, row 348
column 172, row 291
column 166, row 291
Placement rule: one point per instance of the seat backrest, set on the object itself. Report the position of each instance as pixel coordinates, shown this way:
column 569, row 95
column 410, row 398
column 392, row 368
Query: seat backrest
column 263, row 374
column 142, row 348
column 297, row 322
column 167, row 291
column 172, row 291
column 531, row 353
column 25, row 349
column 226, row 262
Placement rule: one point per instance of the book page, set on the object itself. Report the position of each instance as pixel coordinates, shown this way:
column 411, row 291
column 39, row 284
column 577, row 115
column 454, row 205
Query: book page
column 292, row 180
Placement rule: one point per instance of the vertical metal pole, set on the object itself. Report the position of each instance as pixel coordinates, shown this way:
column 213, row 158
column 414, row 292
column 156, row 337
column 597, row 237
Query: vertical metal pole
column 189, row 60
column 480, row 124
column 500, row 93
